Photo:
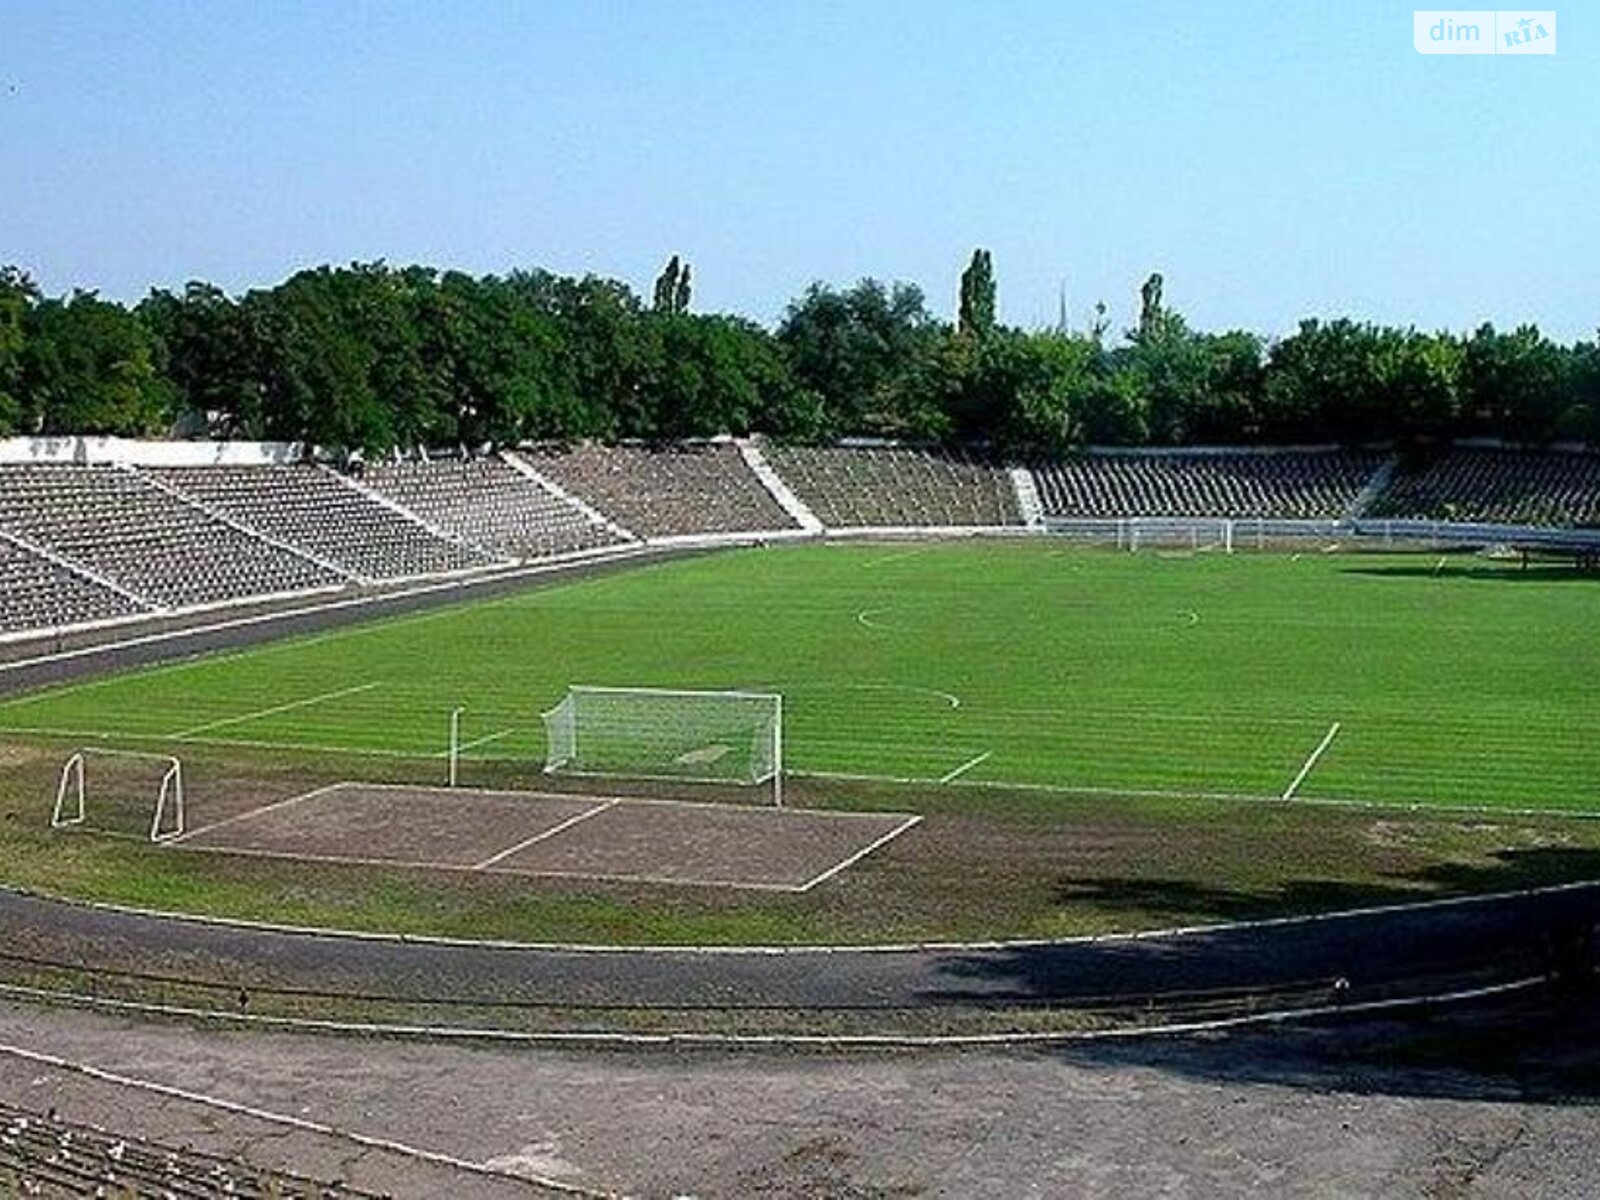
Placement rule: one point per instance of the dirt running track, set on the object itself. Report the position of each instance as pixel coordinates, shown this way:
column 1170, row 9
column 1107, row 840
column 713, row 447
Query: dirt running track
column 1379, row 953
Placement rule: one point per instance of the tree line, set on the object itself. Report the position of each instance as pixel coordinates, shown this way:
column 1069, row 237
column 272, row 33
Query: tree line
column 375, row 357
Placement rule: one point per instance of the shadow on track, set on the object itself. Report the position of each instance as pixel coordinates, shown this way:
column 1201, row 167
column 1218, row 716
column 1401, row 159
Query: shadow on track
column 1538, row 1048
column 1537, row 1042
column 1481, row 572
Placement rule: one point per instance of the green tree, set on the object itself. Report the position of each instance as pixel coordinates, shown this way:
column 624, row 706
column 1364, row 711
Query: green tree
column 857, row 350
column 1324, row 385
column 210, row 356
column 672, row 288
column 18, row 295
column 1516, row 384
column 976, row 311
column 1580, row 421
column 681, row 293
column 1151, row 311
column 89, row 366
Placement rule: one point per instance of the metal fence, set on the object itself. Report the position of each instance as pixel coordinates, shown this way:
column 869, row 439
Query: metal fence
column 1243, row 533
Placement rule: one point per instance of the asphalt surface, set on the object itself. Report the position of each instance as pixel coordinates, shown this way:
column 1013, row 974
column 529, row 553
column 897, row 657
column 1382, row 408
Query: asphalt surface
column 1375, row 1110
column 1376, row 954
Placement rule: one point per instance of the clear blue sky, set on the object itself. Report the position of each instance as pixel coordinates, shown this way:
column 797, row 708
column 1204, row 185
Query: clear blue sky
column 1273, row 160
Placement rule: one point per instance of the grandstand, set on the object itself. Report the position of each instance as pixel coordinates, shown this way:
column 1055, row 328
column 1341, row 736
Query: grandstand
column 489, row 502
column 1288, row 485
column 327, row 517
column 691, row 489
column 897, row 486
column 165, row 551
column 1507, row 487
column 36, row 593
column 42, row 1155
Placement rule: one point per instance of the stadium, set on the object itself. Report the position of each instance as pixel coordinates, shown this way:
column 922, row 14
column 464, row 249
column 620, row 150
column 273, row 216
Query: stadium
column 739, row 694
column 734, row 602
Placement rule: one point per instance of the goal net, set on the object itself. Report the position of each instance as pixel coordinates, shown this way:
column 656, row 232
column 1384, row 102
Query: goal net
column 121, row 791
column 656, row 733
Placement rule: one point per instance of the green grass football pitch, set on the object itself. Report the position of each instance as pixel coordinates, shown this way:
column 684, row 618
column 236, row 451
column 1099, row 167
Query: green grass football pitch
column 1452, row 682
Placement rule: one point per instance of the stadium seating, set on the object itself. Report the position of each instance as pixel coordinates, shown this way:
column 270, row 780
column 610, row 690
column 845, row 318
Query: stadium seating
column 672, row 491
column 36, row 593
column 1286, row 485
column 156, row 545
column 1499, row 486
column 314, row 509
column 89, row 543
column 893, row 486
column 489, row 503
column 41, row 1155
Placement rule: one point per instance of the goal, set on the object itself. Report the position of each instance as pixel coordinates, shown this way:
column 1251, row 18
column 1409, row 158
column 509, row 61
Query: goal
column 127, row 791
column 660, row 733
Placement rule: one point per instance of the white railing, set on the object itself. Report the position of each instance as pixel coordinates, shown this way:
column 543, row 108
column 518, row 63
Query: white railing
column 1246, row 532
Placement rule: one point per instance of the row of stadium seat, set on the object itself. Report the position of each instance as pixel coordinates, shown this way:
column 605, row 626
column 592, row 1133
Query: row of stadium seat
column 487, row 502
column 1499, row 486
column 889, row 486
column 673, row 491
column 168, row 551
column 36, row 593
column 313, row 508
column 41, row 1155
column 1297, row 486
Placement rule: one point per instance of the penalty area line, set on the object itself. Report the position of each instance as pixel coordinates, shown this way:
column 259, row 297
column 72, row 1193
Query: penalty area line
column 952, row 776
column 1311, row 761
column 256, row 812
column 476, row 742
column 837, row 868
column 273, row 711
column 546, row 835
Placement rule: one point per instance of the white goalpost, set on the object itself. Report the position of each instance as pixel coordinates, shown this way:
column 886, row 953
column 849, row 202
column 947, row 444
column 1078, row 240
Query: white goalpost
column 664, row 733
column 141, row 775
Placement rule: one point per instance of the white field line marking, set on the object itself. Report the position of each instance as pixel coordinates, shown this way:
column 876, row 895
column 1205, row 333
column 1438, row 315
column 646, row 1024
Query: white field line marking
column 293, row 1122
column 476, row 742
column 952, row 776
column 488, row 865
column 671, row 1038
column 1392, row 804
column 1065, row 789
column 1311, row 761
column 274, row 710
column 408, row 864
column 548, row 833
column 864, row 617
column 256, row 812
column 651, row 801
column 949, row 698
column 237, row 743
column 908, row 823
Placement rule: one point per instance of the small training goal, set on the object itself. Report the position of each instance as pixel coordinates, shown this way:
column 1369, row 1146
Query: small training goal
column 661, row 733
column 121, row 791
